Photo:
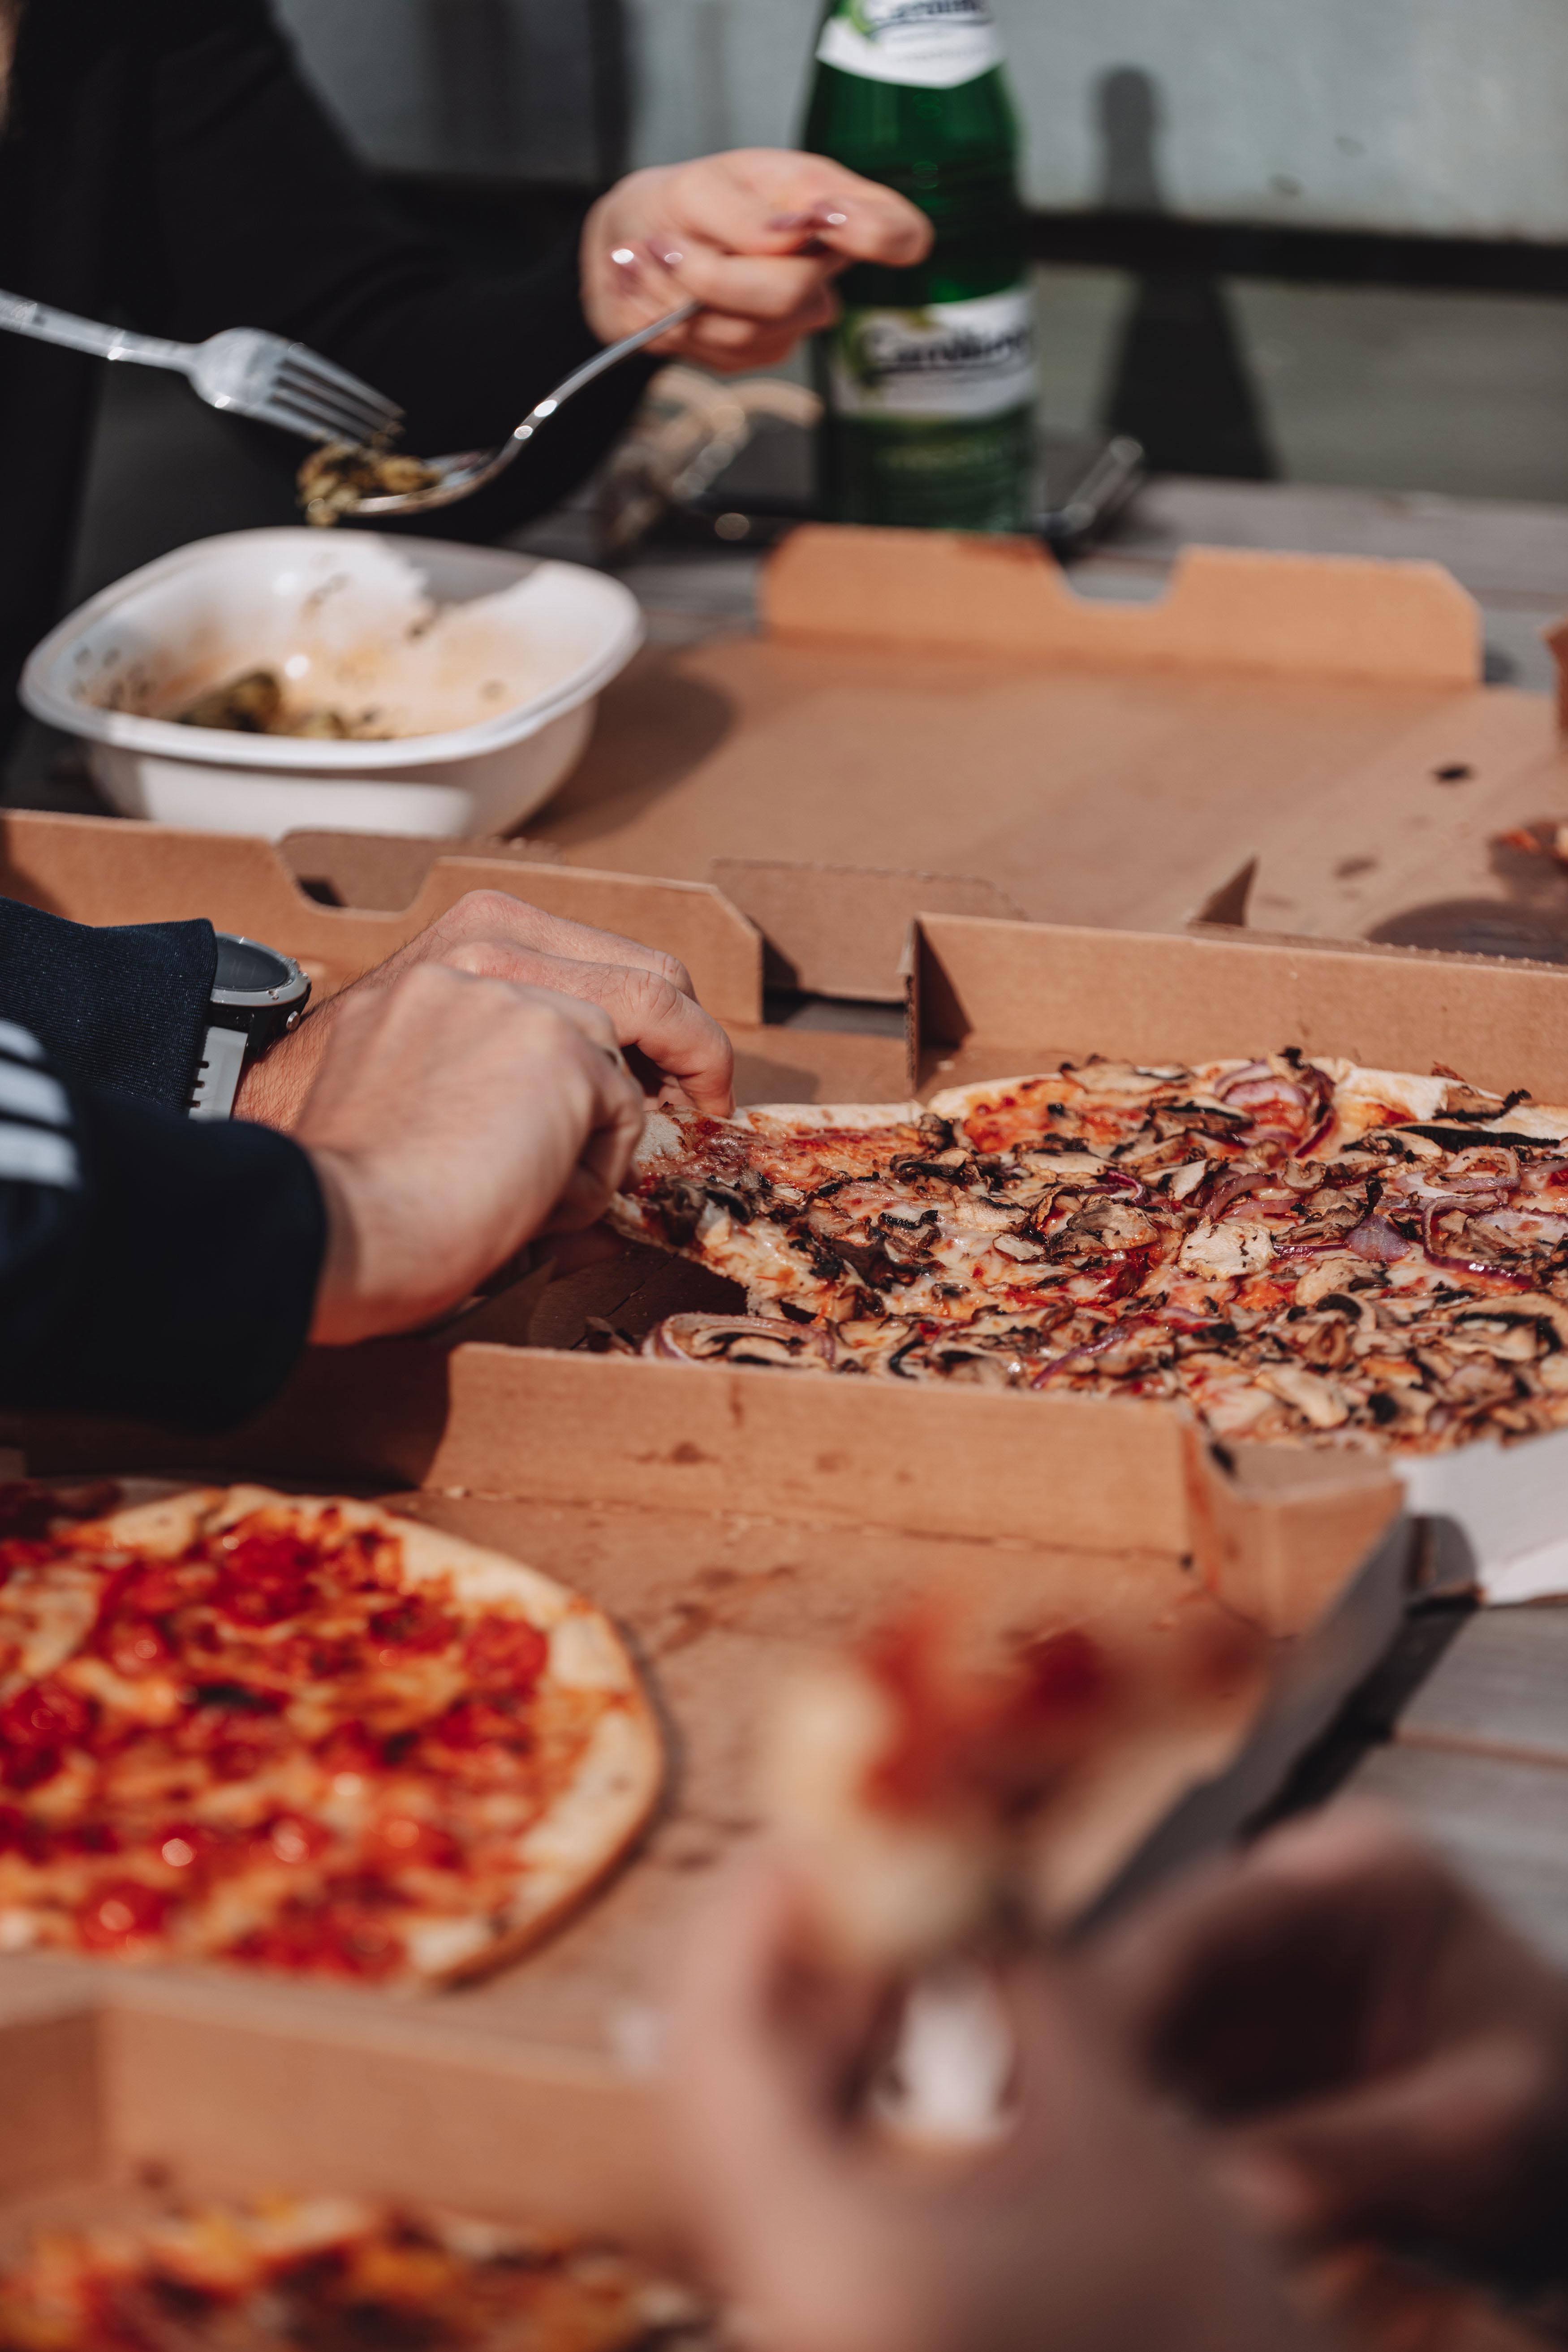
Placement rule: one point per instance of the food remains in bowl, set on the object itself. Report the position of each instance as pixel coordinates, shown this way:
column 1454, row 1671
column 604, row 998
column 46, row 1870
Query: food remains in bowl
column 334, row 478
column 255, row 704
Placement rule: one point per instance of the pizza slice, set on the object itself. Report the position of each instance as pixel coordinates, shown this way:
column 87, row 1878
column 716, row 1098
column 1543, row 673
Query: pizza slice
column 303, row 1733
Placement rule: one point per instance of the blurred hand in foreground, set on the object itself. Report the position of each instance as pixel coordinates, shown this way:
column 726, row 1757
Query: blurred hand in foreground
column 646, row 995
column 1378, row 2050
column 1089, row 2228
column 756, row 236
column 453, row 1118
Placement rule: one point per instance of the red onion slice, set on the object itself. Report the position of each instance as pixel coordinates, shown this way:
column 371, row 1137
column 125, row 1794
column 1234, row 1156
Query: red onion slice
column 807, row 1344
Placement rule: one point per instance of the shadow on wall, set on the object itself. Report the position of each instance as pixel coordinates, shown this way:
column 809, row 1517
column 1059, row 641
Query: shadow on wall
column 1180, row 384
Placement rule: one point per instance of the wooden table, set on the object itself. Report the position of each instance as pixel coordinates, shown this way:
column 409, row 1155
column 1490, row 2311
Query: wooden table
column 1467, row 1727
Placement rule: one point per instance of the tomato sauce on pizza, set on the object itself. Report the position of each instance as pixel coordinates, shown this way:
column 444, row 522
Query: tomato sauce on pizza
column 301, row 1734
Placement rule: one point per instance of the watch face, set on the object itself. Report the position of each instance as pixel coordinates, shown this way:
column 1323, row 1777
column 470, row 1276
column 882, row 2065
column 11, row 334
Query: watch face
column 250, row 974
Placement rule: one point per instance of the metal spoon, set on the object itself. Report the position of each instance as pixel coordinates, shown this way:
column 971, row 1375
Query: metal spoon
column 459, row 476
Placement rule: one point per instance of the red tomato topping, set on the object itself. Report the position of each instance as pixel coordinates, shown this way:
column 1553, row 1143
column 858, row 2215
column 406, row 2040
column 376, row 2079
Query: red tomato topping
column 412, row 1629
column 1063, row 1673
column 290, row 1839
column 44, row 1714
column 191, row 1846
column 401, row 1838
column 133, row 1645
column 21, row 1551
column 344, row 1936
column 505, row 1654
column 21, row 1834
column 473, row 1723
column 123, row 1913
column 350, row 1748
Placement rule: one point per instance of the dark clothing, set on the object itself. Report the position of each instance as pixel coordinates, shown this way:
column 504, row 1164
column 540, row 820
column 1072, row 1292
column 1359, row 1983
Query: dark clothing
column 163, row 165
column 118, row 1007
column 148, row 1266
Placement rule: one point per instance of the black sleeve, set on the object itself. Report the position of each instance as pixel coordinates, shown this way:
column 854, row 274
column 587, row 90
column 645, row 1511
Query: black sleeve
column 252, row 211
column 118, row 1006
column 149, row 1265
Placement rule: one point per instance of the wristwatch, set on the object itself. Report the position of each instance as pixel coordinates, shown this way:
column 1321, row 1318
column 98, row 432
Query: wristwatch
column 258, row 997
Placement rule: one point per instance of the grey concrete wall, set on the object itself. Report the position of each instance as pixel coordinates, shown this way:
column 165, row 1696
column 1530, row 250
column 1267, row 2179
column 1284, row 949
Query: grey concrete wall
column 1437, row 116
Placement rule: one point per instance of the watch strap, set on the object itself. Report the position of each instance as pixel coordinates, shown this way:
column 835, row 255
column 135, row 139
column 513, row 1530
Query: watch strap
column 218, row 1079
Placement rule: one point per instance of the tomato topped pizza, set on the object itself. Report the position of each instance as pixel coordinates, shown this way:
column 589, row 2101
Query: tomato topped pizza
column 336, row 2275
column 303, row 1734
column 1297, row 1247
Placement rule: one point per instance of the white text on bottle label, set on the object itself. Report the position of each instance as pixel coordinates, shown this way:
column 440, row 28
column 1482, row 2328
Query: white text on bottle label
column 949, row 360
column 931, row 44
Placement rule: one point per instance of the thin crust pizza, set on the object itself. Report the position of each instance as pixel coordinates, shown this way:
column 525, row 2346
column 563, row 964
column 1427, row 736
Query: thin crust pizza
column 336, row 2275
column 302, row 1734
column 1297, row 1247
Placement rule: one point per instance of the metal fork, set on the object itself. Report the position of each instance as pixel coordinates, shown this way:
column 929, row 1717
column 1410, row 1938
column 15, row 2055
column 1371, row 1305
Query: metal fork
column 459, row 476
column 244, row 370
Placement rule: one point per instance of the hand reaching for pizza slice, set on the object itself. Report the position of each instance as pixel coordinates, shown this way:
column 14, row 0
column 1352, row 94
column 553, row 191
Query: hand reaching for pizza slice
column 646, row 995
column 1089, row 2226
column 453, row 1119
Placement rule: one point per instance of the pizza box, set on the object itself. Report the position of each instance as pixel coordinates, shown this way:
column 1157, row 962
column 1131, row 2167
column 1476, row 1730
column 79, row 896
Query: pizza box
column 341, row 903
column 123, row 2093
column 1435, row 856
column 1239, row 1615
column 933, row 723
column 991, row 998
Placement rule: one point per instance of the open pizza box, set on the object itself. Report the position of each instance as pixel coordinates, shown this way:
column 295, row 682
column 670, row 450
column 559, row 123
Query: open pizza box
column 1450, row 844
column 341, row 903
column 933, row 724
column 992, row 998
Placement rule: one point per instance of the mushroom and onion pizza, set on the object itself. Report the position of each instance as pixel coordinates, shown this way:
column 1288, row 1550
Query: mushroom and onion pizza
column 337, row 2275
column 1299, row 1248
column 301, row 1734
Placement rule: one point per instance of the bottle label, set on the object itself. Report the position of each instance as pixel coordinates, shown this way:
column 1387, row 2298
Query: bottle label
column 929, row 44
column 949, row 360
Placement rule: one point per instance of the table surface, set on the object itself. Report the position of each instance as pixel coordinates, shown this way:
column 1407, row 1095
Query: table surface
column 1475, row 1743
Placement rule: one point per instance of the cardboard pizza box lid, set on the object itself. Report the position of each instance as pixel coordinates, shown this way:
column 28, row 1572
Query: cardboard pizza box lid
column 1444, row 840
column 931, row 723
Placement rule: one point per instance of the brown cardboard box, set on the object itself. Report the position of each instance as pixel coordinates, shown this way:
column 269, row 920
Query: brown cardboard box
column 341, row 903
column 931, row 724
column 115, row 2085
column 1419, row 843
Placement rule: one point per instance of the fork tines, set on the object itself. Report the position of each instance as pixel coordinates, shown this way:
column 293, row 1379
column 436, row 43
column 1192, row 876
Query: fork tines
column 315, row 396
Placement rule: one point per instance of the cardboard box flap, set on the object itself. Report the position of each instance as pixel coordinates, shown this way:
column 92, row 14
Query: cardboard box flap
column 109, row 870
column 1226, row 608
column 846, row 925
column 995, row 1000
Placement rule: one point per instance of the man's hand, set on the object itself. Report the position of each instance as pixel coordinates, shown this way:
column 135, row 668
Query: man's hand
column 454, row 1119
column 647, row 996
column 1379, row 2050
column 1091, row 2227
column 756, row 236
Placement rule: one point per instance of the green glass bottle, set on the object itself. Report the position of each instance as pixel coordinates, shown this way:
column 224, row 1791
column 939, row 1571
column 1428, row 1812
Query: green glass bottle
column 929, row 377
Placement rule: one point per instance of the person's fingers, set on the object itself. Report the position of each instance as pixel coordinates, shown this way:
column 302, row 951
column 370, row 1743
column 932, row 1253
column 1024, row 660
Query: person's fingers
column 642, row 1008
column 497, row 915
column 1267, row 1976
column 772, row 200
column 1442, row 2144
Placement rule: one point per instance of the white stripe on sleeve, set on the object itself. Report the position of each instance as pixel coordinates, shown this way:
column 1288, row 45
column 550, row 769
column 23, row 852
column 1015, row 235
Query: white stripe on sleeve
column 32, row 1094
column 20, row 1043
column 32, row 1155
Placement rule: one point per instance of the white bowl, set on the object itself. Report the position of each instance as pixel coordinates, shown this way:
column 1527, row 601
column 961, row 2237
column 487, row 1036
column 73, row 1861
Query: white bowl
column 503, row 694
